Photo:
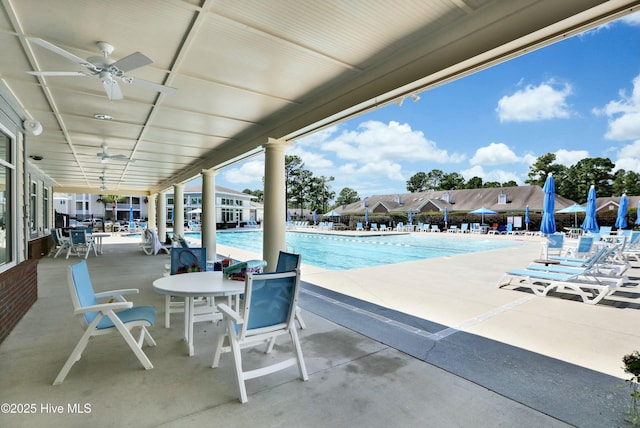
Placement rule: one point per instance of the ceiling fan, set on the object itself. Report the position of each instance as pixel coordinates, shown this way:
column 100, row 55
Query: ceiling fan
column 103, row 180
column 105, row 157
column 106, row 68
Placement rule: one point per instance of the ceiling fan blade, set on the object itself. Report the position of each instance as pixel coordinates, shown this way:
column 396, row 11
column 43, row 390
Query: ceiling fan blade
column 131, row 62
column 59, row 73
column 68, row 55
column 112, row 89
column 150, row 85
column 120, row 158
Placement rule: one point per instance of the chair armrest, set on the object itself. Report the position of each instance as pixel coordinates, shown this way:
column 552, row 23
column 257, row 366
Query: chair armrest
column 103, row 307
column 227, row 311
column 116, row 293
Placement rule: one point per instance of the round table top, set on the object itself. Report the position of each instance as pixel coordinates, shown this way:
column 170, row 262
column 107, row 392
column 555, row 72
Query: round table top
column 198, row 284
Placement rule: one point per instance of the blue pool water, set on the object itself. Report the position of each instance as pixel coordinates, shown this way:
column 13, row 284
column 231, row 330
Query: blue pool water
column 350, row 252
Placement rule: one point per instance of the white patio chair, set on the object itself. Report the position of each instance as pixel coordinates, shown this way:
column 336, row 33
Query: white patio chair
column 267, row 312
column 105, row 318
column 81, row 244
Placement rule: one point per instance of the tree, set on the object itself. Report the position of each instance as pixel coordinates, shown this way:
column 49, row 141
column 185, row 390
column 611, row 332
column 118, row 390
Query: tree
column 293, row 166
column 625, row 182
column 489, row 184
column 113, row 200
column 417, row 182
column 451, row 181
column 347, row 196
column 474, row 183
column 320, row 193
column 544, row 165
column 259, row 194
column 509, row 183
column 300, row 188
column 582, row 175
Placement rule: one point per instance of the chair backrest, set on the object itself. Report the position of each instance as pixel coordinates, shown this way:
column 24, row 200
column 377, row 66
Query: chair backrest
column 464, row 226
column 509, row 227
column 605, row 230
column 269, row 302
column 184, row 260
column 584, row 244
column 55, row 235
column 555, row 240
column 81, row 289
column 287, row 262
column 78, row 236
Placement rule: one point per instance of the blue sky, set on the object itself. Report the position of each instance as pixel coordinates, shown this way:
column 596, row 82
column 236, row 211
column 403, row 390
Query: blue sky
column 577, row 98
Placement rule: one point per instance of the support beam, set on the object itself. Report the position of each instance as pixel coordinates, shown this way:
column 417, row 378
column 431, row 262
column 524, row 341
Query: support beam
column 275, row 204
column 178, row 209
column 209, row 212
column 162, row 216
column 151, row 211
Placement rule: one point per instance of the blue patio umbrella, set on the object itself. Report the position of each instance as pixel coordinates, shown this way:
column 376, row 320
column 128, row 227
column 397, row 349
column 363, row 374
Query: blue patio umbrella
column 482, row 211
column 131, row 219
column 446, row 216
column 527, row 220
column 315, row 217
column 638, row 214
column 548, row 223
column 621, row 221
column 288, row 215
column 575, row 209
column 410, row 216
column 590, row 224
column 366, row 215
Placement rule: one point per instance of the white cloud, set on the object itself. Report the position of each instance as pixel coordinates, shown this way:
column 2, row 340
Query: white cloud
column 632, row 19
column 494, row 154
column 375, row 141
column 623, row 114
column 249, row 172
column 535, row 103
column 570, row 157
column 498, row 175
column 629, row 157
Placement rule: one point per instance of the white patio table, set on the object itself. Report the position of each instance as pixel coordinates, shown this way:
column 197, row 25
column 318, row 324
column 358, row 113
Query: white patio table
column 197, row 284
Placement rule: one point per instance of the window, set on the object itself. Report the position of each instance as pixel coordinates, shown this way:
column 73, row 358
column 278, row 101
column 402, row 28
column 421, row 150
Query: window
column 7, row 176
column 33, row 207
column 45, row 208
column 502, row 198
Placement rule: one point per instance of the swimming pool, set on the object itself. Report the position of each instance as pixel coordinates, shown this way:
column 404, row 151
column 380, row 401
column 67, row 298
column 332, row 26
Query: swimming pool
column 338, row 252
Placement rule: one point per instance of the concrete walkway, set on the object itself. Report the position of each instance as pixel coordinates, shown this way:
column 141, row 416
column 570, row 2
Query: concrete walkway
column 428, row 343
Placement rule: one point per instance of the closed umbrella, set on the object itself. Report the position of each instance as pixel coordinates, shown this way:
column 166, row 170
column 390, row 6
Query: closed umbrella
column 131, row 219
column 315, row 217
column 621, row 221
column 548, row 224
column 590, row 224
column 410, row 216
column 527, row 220
column 638, row 214
column 575, row 209
column 482, row 211
column 446, row 217
column 366, row 215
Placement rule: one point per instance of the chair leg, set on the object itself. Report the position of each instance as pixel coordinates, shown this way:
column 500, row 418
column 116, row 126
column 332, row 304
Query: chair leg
column 237, row 364
column 299, row 318
column 298, row 350
column 167, row 311
column 126, row 334
column 77, row 351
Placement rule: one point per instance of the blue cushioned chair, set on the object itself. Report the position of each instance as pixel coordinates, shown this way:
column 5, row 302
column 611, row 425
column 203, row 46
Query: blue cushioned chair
column 104, row 318
column 267, row 311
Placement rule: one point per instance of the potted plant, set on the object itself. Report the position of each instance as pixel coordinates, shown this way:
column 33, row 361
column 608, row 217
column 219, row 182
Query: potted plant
column 632, row 366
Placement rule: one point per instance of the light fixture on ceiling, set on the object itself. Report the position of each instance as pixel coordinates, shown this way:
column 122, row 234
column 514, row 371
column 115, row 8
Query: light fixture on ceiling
column 399, row 101
column 32, row 127
column 36, row 157
column 102, row 116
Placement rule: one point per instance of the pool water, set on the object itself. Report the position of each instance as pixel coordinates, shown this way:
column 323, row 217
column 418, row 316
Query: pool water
column 337, row 252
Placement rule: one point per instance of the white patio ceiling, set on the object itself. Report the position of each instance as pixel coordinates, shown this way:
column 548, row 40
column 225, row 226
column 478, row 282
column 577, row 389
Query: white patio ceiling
column 245, row 70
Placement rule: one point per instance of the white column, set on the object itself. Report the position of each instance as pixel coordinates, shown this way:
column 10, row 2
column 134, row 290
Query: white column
column 209, row 212
column 151, row 211
column 178, row 209
column 275, row 210
column 162, row 216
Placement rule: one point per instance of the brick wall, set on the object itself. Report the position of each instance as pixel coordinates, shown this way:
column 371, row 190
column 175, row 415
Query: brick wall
column 40, row 247
column 18, row 292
